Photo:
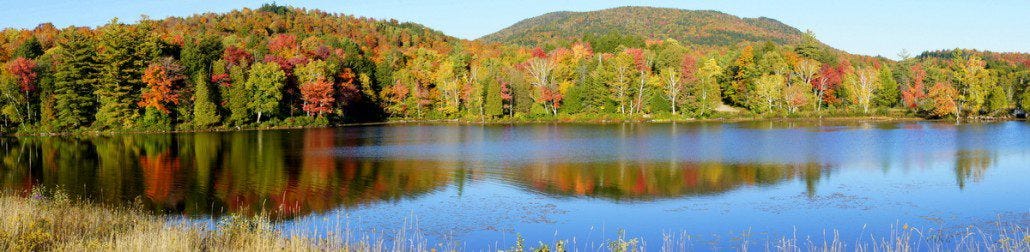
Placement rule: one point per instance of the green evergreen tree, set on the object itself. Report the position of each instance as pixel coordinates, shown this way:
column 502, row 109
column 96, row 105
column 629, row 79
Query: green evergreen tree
column 998, row 100
column 75, row 79
column 205, row 113
column 1025, row 101
column 198, row 54
column 493, row 104
column 889, row 92
column 30, row 49
column 239, row 97
column 124, row 52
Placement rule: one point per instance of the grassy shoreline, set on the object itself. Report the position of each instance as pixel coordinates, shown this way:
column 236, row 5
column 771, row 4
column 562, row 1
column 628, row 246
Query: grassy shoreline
column 35, row 222
column 607, row 119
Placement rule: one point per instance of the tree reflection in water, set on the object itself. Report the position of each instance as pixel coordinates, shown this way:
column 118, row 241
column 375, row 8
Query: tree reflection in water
column 294, row 173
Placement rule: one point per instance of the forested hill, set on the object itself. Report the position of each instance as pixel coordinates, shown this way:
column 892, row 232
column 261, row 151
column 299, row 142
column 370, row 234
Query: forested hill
column 283, row 66
column 689, row 26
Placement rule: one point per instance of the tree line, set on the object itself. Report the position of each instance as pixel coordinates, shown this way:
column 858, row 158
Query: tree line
column 281, row 66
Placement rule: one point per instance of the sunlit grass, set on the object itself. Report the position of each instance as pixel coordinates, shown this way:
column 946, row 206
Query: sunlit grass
column 57, row 222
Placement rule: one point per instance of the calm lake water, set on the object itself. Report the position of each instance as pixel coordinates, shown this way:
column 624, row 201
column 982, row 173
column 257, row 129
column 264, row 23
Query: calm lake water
column 476, row 187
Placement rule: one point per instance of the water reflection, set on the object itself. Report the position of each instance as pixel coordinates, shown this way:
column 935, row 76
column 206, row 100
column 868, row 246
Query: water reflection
column 216, row 173
column 648, row 181
column 294, row 173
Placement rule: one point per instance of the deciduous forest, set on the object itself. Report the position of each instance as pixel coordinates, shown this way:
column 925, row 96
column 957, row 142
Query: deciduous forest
column 284, row 66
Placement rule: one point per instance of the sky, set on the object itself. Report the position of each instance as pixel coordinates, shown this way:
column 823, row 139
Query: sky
column 864, row 27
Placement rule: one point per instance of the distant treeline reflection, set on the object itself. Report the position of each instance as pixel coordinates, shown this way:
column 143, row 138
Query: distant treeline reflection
column 294, row 173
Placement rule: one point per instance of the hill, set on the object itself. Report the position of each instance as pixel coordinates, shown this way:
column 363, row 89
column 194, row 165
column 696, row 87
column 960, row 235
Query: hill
column 694, row 26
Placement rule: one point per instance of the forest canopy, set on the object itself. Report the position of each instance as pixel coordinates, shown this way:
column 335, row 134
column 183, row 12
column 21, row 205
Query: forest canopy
column 285, row 66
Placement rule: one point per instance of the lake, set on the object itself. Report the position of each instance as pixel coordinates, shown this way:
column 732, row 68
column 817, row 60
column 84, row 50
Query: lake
column 480, row 186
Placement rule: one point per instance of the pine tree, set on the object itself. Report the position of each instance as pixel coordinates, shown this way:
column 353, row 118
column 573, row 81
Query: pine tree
column 889, row 92
column 75, row 79
column 124, row 52
column 205, row 113
column 239, row 97
column 493, row 104
column 198, row 55
column 30, row 49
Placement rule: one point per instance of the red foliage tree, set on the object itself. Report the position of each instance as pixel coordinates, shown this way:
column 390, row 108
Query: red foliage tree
column 638, row 58
column 222, row 80
column 551, row 96
column 237, row 56
column 347, row 89
column 318, row 97
column 916, row 92
column 539, row 53
column 282, row 44
column 25, row 70
column 688, row 67
column 828, row 79
column 506, row 95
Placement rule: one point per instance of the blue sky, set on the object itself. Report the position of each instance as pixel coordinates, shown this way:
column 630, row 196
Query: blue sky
column 864, row 27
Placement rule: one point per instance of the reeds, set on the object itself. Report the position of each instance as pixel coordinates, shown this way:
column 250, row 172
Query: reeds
column 45, row 223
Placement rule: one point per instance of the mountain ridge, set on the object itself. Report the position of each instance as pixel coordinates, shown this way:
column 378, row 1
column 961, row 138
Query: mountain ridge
column 704, row 27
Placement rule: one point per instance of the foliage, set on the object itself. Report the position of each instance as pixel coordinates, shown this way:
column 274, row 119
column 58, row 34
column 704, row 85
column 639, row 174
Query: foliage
column 943, row 97
column 205, row 112
column 625, row 26
column 277, row 64
column 74, row 81
column 164, row 80
column 265, row 83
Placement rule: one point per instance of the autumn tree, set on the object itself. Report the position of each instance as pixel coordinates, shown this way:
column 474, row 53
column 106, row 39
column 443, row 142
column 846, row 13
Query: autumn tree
column 25, row 73
column 825, row 82
column 642, row 63
column 916, row 91
column 318, row 97
column 316, row 88
column 974, row 83
column 741, row 74
column 617, row 72
column 769, row 89
column 539, row 68
column 449, row 84
column 420, row 71
column 797, row 96
column 862, row 86
column 943, row 97
column 804, row 71
column 474, row 89
column 164, row 81
column 706, row 90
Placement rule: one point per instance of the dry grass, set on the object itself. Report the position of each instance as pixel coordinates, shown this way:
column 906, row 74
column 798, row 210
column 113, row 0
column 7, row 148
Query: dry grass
column 58, row 223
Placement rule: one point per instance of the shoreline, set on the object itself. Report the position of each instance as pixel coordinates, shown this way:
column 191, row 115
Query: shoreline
column 38, row 221
column 511, row 121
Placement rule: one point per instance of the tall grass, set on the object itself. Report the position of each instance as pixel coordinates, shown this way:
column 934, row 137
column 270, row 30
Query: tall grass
column 36, row 222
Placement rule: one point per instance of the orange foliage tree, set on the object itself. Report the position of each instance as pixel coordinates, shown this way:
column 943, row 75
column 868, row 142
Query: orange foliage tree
column 318, row 97
column 164, row 81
